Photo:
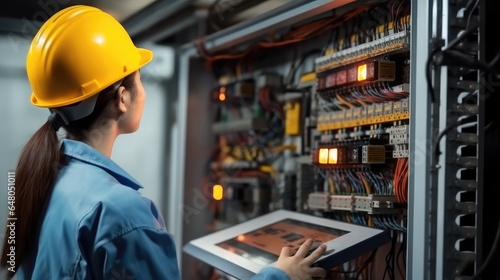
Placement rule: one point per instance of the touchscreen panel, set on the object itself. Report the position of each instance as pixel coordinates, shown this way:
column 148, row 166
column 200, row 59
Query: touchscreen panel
column 263, row 245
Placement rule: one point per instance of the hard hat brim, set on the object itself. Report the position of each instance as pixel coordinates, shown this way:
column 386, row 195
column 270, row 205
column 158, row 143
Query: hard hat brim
column 146, row 56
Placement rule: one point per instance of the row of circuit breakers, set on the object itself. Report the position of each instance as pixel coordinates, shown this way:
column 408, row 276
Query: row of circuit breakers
column 368, row 133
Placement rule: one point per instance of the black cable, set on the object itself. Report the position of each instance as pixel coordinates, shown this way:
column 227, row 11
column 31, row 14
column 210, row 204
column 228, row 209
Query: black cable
column 402, row 248
column 447, row 129
column 211, row 15
column 289, row 78
column 386, row 268
column 491, row 254
column 328, row 42
column 469, row 4
column 366, row 263
column 444, row 54
column 428, row 75
column 393, row 254
column 491, row 65
column 389, row 258
column 293, row 69
column 346, row 273
column 490, row 125
column 461, row 37
column 430, row 60
column 471, row 13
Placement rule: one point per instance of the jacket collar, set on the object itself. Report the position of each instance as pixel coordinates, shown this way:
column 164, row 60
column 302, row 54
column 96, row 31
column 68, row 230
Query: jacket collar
column 86, row 153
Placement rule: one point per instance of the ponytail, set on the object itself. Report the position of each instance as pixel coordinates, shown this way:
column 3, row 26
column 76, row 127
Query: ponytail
column 35, row 174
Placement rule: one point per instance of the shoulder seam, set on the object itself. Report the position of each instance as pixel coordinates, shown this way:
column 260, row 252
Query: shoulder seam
column 125, row 232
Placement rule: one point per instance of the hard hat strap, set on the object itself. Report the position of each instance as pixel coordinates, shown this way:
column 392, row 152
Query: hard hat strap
column 57, row 119
column 64, row 115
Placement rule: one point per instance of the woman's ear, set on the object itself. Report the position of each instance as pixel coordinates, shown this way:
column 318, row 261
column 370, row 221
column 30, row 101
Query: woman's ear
column 122, row 99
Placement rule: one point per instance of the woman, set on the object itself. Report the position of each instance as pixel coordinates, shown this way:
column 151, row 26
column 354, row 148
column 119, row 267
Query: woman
column 79, row 215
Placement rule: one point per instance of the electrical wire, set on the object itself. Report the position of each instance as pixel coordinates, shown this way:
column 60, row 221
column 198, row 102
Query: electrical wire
column 389, row 259
column 471, row 13
column 397, row 18
column 294, row 35
column 436, row 150
column 293, row 69
column 211, row 15
column 402, row 248
column 489, row 258
column 400, row 180
column 428, row 74
column 430, row 59
column 365, row 264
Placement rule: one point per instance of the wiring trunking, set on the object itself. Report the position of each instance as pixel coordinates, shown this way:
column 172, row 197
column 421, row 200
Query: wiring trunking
column 458, row 158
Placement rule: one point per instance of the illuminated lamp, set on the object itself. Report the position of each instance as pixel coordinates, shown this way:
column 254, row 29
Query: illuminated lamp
column 332, row 156
column 217, row 192
column 362, row 72
column 323, row 156
column 222, row 93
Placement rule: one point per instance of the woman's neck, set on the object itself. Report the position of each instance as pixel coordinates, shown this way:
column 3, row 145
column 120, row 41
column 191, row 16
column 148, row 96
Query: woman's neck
column 102, row 136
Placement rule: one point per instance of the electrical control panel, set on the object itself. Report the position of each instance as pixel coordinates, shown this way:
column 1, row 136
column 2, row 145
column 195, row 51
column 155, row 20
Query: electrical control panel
column 331, row 109
column 314, row 120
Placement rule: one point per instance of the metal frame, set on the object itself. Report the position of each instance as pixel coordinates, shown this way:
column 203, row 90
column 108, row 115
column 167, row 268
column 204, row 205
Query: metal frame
column 419, row 253
column 419, row 231
column 159, row 10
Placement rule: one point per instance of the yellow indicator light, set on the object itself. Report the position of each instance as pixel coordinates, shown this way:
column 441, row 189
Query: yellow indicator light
column 241, row 237
column 222, row 94
column 323, row 156
column 362, row 72
column 218, row 192
column 332, row 156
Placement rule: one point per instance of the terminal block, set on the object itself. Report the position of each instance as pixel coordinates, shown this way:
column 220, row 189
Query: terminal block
column 371, row 204
column 319, row 201
column 364, row 115
column 394, row 42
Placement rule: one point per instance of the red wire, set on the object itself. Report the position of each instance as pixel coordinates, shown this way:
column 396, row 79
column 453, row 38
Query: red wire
column 397, row 13
column 405, row 180
column 294, row 36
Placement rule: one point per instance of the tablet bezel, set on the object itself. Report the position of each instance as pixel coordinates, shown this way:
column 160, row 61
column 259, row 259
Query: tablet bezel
column 206, row 248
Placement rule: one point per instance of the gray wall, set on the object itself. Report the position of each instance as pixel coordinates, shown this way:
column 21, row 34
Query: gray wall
column 18, row 120
column 141, row 153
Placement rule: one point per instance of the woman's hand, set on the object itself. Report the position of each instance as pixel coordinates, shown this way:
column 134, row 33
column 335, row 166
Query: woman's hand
column 298, row 266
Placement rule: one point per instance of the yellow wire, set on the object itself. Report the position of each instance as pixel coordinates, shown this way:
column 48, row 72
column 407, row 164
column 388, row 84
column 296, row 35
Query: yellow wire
column 268, row 169
column 282, row 148
column 239, row 70
column 365, row 183
column 361, row 102
column 348, row 217
column 343, row 101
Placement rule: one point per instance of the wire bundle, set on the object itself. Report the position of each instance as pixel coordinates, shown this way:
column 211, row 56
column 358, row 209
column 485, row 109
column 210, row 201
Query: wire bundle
column 363, row 181
column 360, row 96
column 294, row 35
column 401, row 180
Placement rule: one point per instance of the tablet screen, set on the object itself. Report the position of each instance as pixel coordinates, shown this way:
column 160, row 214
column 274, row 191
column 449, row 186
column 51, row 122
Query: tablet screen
column 263, row 245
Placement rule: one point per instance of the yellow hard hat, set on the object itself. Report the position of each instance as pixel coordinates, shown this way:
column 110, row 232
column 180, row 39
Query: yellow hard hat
column 78, row 52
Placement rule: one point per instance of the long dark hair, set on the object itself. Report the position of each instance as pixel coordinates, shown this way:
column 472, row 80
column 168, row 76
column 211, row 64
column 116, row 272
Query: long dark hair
column 36, row 171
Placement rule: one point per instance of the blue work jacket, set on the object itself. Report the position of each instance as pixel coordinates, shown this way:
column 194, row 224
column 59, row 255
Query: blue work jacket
column 98, row 226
